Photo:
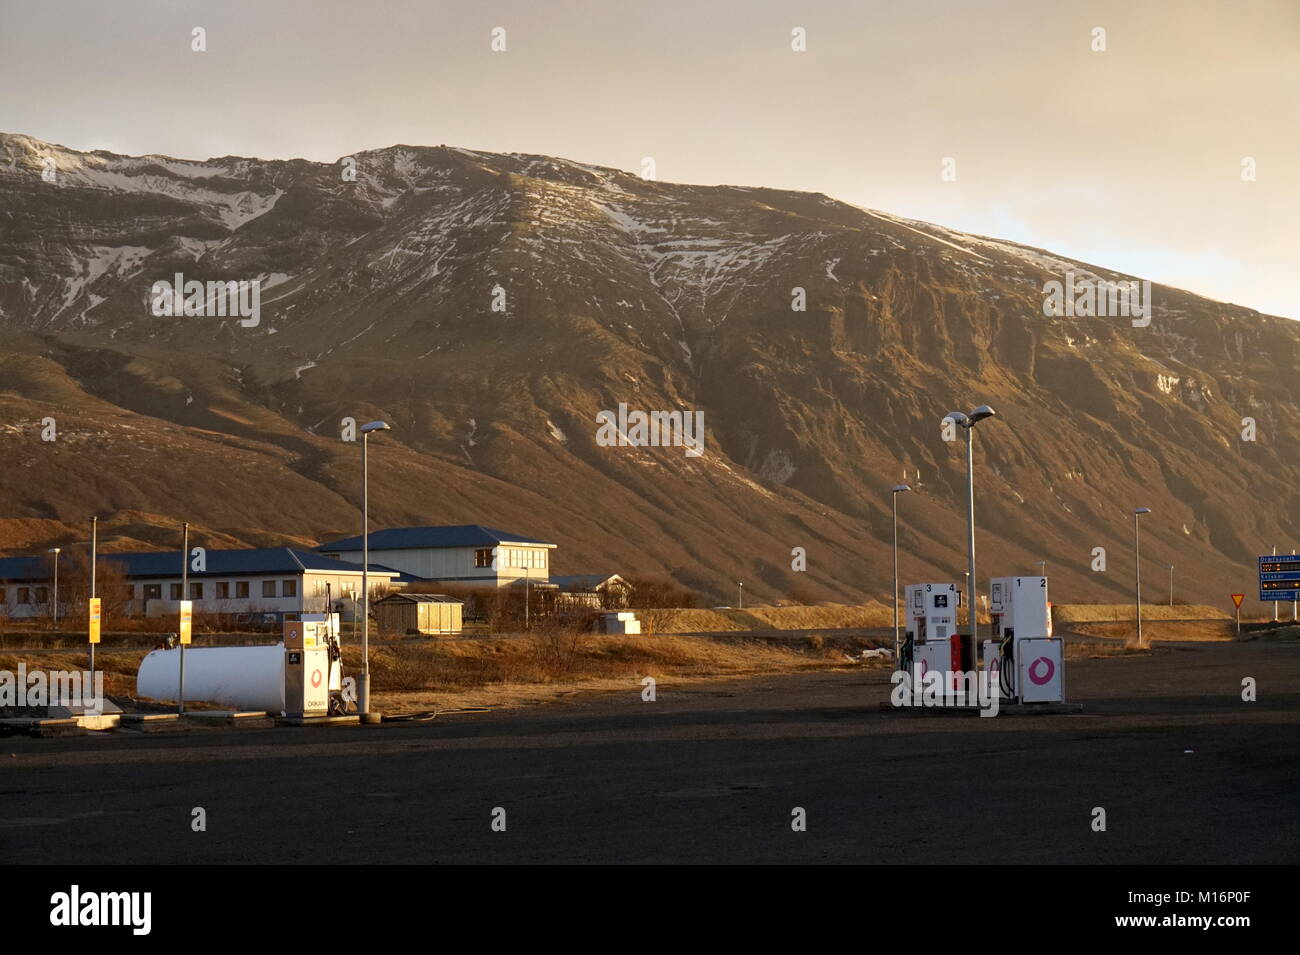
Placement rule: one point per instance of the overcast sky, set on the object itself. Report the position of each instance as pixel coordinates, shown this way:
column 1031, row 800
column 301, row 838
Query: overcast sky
column 1129, row 158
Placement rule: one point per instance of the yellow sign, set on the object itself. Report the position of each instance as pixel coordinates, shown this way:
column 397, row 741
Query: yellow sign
column 94, row 619
column 187, row 617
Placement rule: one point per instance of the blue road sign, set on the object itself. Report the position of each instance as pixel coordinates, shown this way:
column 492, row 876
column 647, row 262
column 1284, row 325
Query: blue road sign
column 1279, row 577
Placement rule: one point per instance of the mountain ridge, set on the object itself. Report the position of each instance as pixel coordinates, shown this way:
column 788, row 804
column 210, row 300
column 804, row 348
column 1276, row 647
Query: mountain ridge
column 377, row 302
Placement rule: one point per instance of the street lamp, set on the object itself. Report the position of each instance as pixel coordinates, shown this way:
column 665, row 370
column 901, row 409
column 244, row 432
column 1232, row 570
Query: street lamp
column 1171, row 585
column 1042, row 568
column 1137, row 569
column 968, row 422
column 56, row 551
column 741, row 585
column 893, row 496
column 363, row 690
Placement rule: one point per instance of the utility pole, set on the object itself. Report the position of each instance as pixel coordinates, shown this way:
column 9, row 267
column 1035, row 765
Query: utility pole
column 94, row 545
column 1137, row 570
column 898, row 489
column 185, row 580
column 55, row 613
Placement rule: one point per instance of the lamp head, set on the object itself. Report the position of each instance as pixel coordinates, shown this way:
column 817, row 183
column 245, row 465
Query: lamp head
column 1143, row 510
column 980, row 413
column 958, row 418
column 376, row 426
column 901, row 487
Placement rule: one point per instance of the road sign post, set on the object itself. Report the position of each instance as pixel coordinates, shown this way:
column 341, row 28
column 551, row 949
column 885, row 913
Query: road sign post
column 1279, row 578
column 1236, row 602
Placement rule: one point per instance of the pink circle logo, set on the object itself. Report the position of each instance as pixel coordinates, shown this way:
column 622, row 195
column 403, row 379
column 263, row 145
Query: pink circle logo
column 1048, row 666
column 315, row 678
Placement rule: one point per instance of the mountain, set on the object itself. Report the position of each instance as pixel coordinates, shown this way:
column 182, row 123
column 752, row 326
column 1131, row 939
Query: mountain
column 490, row 306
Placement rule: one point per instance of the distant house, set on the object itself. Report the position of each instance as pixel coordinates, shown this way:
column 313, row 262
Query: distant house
column 466, row 554
column 600, row 591
column 418, row 613
column 262, row 580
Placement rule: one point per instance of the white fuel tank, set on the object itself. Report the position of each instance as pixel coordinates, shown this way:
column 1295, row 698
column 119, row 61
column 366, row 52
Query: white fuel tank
column 245, row 678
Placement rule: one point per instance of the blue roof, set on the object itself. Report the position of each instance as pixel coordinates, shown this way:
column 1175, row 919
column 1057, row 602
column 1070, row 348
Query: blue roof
column 220, row 563
column 418, row 538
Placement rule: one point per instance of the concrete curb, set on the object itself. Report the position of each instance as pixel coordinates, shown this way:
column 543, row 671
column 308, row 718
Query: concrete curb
column 353, row 720
column 1004, row 709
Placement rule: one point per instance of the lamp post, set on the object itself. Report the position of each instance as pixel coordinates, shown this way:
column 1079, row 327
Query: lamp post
column 56, row 551
column 1137, row 569
column 1042, row 568
column 968, row 422
column 1171, row 585
column 94, row 556
column 741, row 585
column 893, row 496
column 363, row 690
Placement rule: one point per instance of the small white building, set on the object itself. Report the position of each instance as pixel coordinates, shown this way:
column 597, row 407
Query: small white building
column 467, row 554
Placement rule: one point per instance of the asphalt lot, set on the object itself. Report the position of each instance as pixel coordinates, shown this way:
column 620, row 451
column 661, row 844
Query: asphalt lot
column 708, row 774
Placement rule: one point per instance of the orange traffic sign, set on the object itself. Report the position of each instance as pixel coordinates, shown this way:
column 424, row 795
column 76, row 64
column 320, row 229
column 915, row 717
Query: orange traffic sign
column 93, row 615
column 187, row 616
column 1237, row 599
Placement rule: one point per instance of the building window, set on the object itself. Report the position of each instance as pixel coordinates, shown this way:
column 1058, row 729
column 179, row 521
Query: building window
column 196, row 591
column 223, row 590
column 153, row 591
column 241, row 589
column 42, row 594
column 4, row 595
column 175, row 591
column 483, row 557
column 24, row 595
column 288, row 588
column 268, row 588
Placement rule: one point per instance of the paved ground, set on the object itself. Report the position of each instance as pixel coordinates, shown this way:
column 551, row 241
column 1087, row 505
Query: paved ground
column 708, row 775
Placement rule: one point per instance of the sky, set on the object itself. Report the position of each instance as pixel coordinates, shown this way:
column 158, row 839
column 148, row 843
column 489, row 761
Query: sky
column 1130, row 157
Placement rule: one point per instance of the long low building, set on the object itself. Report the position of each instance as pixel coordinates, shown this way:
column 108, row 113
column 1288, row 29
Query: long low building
column 261, row 580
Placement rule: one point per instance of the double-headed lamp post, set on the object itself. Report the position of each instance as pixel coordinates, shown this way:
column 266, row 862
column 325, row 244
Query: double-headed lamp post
column 968, row 421
column 1137, row 569
column 56, row 551
column 363, row 690
column 893, row 495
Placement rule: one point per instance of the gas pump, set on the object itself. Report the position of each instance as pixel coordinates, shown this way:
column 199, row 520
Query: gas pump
column 1026, row 661
column 931, row 621
column 313, row 665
